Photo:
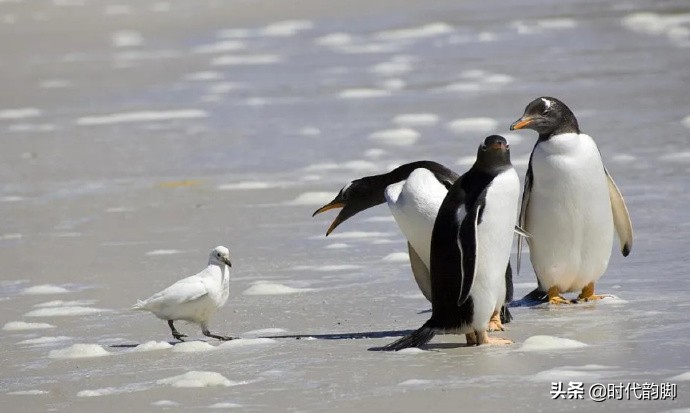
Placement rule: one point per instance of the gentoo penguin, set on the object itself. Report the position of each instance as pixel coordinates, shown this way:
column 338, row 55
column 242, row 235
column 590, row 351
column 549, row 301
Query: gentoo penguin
column 414, row 192
column 470, row 248
column 195, row 298
column 570, row 205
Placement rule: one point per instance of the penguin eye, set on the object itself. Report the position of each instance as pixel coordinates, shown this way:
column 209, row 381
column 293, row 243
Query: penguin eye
column 483, row 147
column 546, row 111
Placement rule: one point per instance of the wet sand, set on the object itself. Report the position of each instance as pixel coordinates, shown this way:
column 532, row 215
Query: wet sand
column 138, row 136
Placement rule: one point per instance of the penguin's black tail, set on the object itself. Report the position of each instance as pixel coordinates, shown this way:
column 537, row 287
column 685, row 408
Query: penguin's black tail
column 506, row 317
column 533, row 298
column 420, row 337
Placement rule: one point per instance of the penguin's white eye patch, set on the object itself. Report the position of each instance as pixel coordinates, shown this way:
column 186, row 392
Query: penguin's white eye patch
column 547, row 106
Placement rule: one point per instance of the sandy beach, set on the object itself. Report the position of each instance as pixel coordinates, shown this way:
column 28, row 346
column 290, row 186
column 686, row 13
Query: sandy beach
column 136, row 136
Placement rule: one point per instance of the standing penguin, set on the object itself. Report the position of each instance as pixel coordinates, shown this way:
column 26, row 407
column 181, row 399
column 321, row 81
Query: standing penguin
column 470, row 249
column 570, row 205
column 414, row 192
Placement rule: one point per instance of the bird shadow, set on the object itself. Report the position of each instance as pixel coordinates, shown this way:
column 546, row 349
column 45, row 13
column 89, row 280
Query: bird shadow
column 133, row 345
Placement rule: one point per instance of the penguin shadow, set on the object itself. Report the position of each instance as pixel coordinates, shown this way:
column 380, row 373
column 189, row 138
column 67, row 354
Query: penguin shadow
column 429, row 347
column 327, row 336
column 346, row 336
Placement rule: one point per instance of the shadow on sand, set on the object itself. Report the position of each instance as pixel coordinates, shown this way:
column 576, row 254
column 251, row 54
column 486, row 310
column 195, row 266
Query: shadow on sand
column 329, row 336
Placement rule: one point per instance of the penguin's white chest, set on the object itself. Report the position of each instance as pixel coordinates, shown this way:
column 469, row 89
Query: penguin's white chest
column 414, row 204
column 494, row 243
column 569, row 213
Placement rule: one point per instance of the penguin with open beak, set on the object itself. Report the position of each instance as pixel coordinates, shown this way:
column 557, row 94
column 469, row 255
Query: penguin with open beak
column 414, row 193
column 470, row 248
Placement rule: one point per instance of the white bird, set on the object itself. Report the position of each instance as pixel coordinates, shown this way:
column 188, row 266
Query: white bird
column 196, row 298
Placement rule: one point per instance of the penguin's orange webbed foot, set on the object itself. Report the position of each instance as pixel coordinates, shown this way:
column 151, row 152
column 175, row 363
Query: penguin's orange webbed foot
column 495, row 323
column 587, row 294
column 556, row 298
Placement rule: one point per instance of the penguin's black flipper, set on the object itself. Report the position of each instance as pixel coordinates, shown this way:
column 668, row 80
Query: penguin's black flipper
column 420, row 337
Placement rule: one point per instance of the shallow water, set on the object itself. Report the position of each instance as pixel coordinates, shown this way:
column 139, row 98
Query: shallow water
column 137, row 136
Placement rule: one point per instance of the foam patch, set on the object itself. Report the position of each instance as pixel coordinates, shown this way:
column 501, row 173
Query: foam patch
column 22, row 326
column 79, row 351
column 152, row 346
column 473, row 125
column 198, row 379
column 396, row 257
column 192, row 347
column 396, row 137
column 45, row 289
column 550, row 343
column 269, row 288
column 416, row 119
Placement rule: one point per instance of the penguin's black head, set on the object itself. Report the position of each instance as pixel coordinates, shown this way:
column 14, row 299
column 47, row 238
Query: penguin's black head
column 354, row 197
column 493, row 153
column 548, row 116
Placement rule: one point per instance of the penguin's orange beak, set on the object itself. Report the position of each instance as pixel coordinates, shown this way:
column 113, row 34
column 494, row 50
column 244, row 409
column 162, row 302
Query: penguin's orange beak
column 329, row 206
column 336, row 203
column 521, row 123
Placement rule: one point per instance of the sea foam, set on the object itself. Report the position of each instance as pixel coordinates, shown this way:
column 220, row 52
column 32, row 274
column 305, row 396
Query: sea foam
column 219, row 47
column 144, row 116
column 269, row 288
column 126, row 38
column 192, row 347
column 248, row 185
column 163, row 252
column 20, row 113
column 45, row 340
column 396, row 137
column 99, row 392
column 79, row 351
column 198, row 379
column 246, row 60
column 550, row 343
column 363, row 93
column 567, row 374
column 22, row 326
column 286, row 28
column 263, row 332
column 419, row 32
column 472, row 125
column 63, row 311
column 680, row 377
column 34, row 392
column 152, row 346
column 312, row 198
column 416, row 119
column 45, row 289
column 396, row 257
column 334, row 39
